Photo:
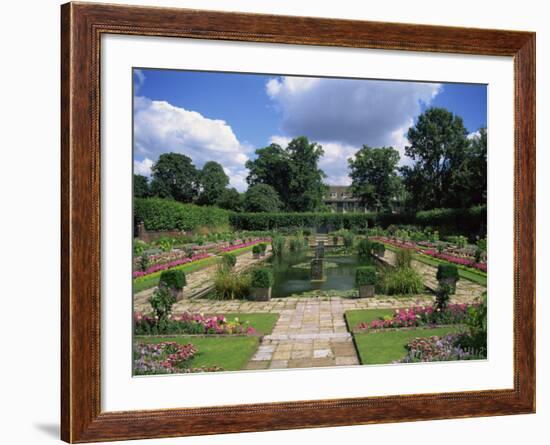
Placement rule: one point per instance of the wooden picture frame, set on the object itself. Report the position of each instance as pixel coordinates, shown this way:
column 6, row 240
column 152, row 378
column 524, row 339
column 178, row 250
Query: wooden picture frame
column 82, row 26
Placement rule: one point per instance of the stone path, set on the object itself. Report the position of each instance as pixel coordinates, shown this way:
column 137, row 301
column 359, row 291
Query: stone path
column 466, row 290
column 198, row 281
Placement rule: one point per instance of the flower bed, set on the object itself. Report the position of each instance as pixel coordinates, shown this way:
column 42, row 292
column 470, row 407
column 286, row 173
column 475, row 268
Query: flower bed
column 433, row 253
column 419, row 316
column 161, row 267
column 436, row 349
column 456, row 260
column 188, row 323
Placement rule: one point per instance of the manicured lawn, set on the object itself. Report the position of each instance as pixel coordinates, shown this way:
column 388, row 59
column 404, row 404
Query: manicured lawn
column 463, row 272
column 386, row 347
column 152, row 280
column 353, row 318
column 262, row 323
column 229, row 353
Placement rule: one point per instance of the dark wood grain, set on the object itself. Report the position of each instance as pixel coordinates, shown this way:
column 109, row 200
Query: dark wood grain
column 82, row 26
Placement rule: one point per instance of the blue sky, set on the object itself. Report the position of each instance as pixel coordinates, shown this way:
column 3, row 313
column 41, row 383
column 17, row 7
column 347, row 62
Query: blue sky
column 226, row 116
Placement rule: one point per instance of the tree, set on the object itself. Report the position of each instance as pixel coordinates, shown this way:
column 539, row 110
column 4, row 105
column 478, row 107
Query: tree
column 270, row 167
column 478, row 167
column 213, row 181
column 175, row 177
column 438, row 145
column 261, row 198
column 374, row 177
column 141, row 186
column 230, row 199
column 306, row 188
column 293, row 172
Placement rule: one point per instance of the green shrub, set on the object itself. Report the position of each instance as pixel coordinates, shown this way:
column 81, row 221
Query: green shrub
column 335, row 240
column 402, row 281
column 475, row 338
column 445, row 271
column 165, row 214
column 364, row 248
column 256, row 249
column 173, row 279
column 229, row 285
column 366, row 275
column 378, row 248
column 403, row 258
column 442, row 296
column 144, row 262
column 262, row 278
column 139, row 247
column 349, row 240
column 162, row 301
column 263, row 247
column 229, row 260
column 296, row 244
column 278, row 245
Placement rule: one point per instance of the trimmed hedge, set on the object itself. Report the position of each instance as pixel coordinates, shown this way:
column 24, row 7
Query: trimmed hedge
column 472, row 221
column 165, row 214
column 173, row 279
column 366, row 275
column 445, row 271
column 262, row 278
column 271, row 221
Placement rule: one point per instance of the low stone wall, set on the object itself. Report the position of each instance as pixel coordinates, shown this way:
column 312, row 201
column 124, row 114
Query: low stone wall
column 151, row 235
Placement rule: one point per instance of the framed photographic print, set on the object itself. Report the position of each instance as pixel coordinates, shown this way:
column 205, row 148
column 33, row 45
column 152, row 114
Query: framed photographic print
column 275, row 222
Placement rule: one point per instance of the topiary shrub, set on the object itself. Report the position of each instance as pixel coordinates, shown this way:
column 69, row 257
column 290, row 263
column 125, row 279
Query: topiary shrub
column 229, row 260
column 403, row 258
column 263, row 248
column 366, row 276
column 447, row 275
column 364, row 248
column 445, row 271
column 262, row 278
column 256, row 250
column 378, row 248
column 172, row 279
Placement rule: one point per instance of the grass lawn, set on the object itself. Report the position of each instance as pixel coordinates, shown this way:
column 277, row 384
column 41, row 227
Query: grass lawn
column 385, row 347
column 152, row 280
column 229, row 353
column 467, row 274
column 353, row 318
column 262, row 323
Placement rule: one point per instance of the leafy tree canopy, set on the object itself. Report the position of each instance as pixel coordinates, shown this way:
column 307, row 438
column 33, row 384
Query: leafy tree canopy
column 213, row 182
column 292, row 171
column 175, row 177
column 230, row 199
column 374, row 177
column 141, row 186
column 261, row 198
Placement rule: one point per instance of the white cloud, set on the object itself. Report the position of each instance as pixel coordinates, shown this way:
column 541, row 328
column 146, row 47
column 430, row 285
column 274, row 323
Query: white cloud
column 356, row 112
column 139, row 80
column 160, row 127
column 474, row 135
column 143, row 167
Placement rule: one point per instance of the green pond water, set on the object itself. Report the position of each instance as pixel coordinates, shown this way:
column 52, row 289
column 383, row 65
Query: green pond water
column 293, row 277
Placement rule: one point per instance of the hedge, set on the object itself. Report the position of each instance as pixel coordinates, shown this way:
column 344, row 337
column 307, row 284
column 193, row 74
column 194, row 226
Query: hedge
column 447, row 221
column 271, row 221
column 165, row 214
